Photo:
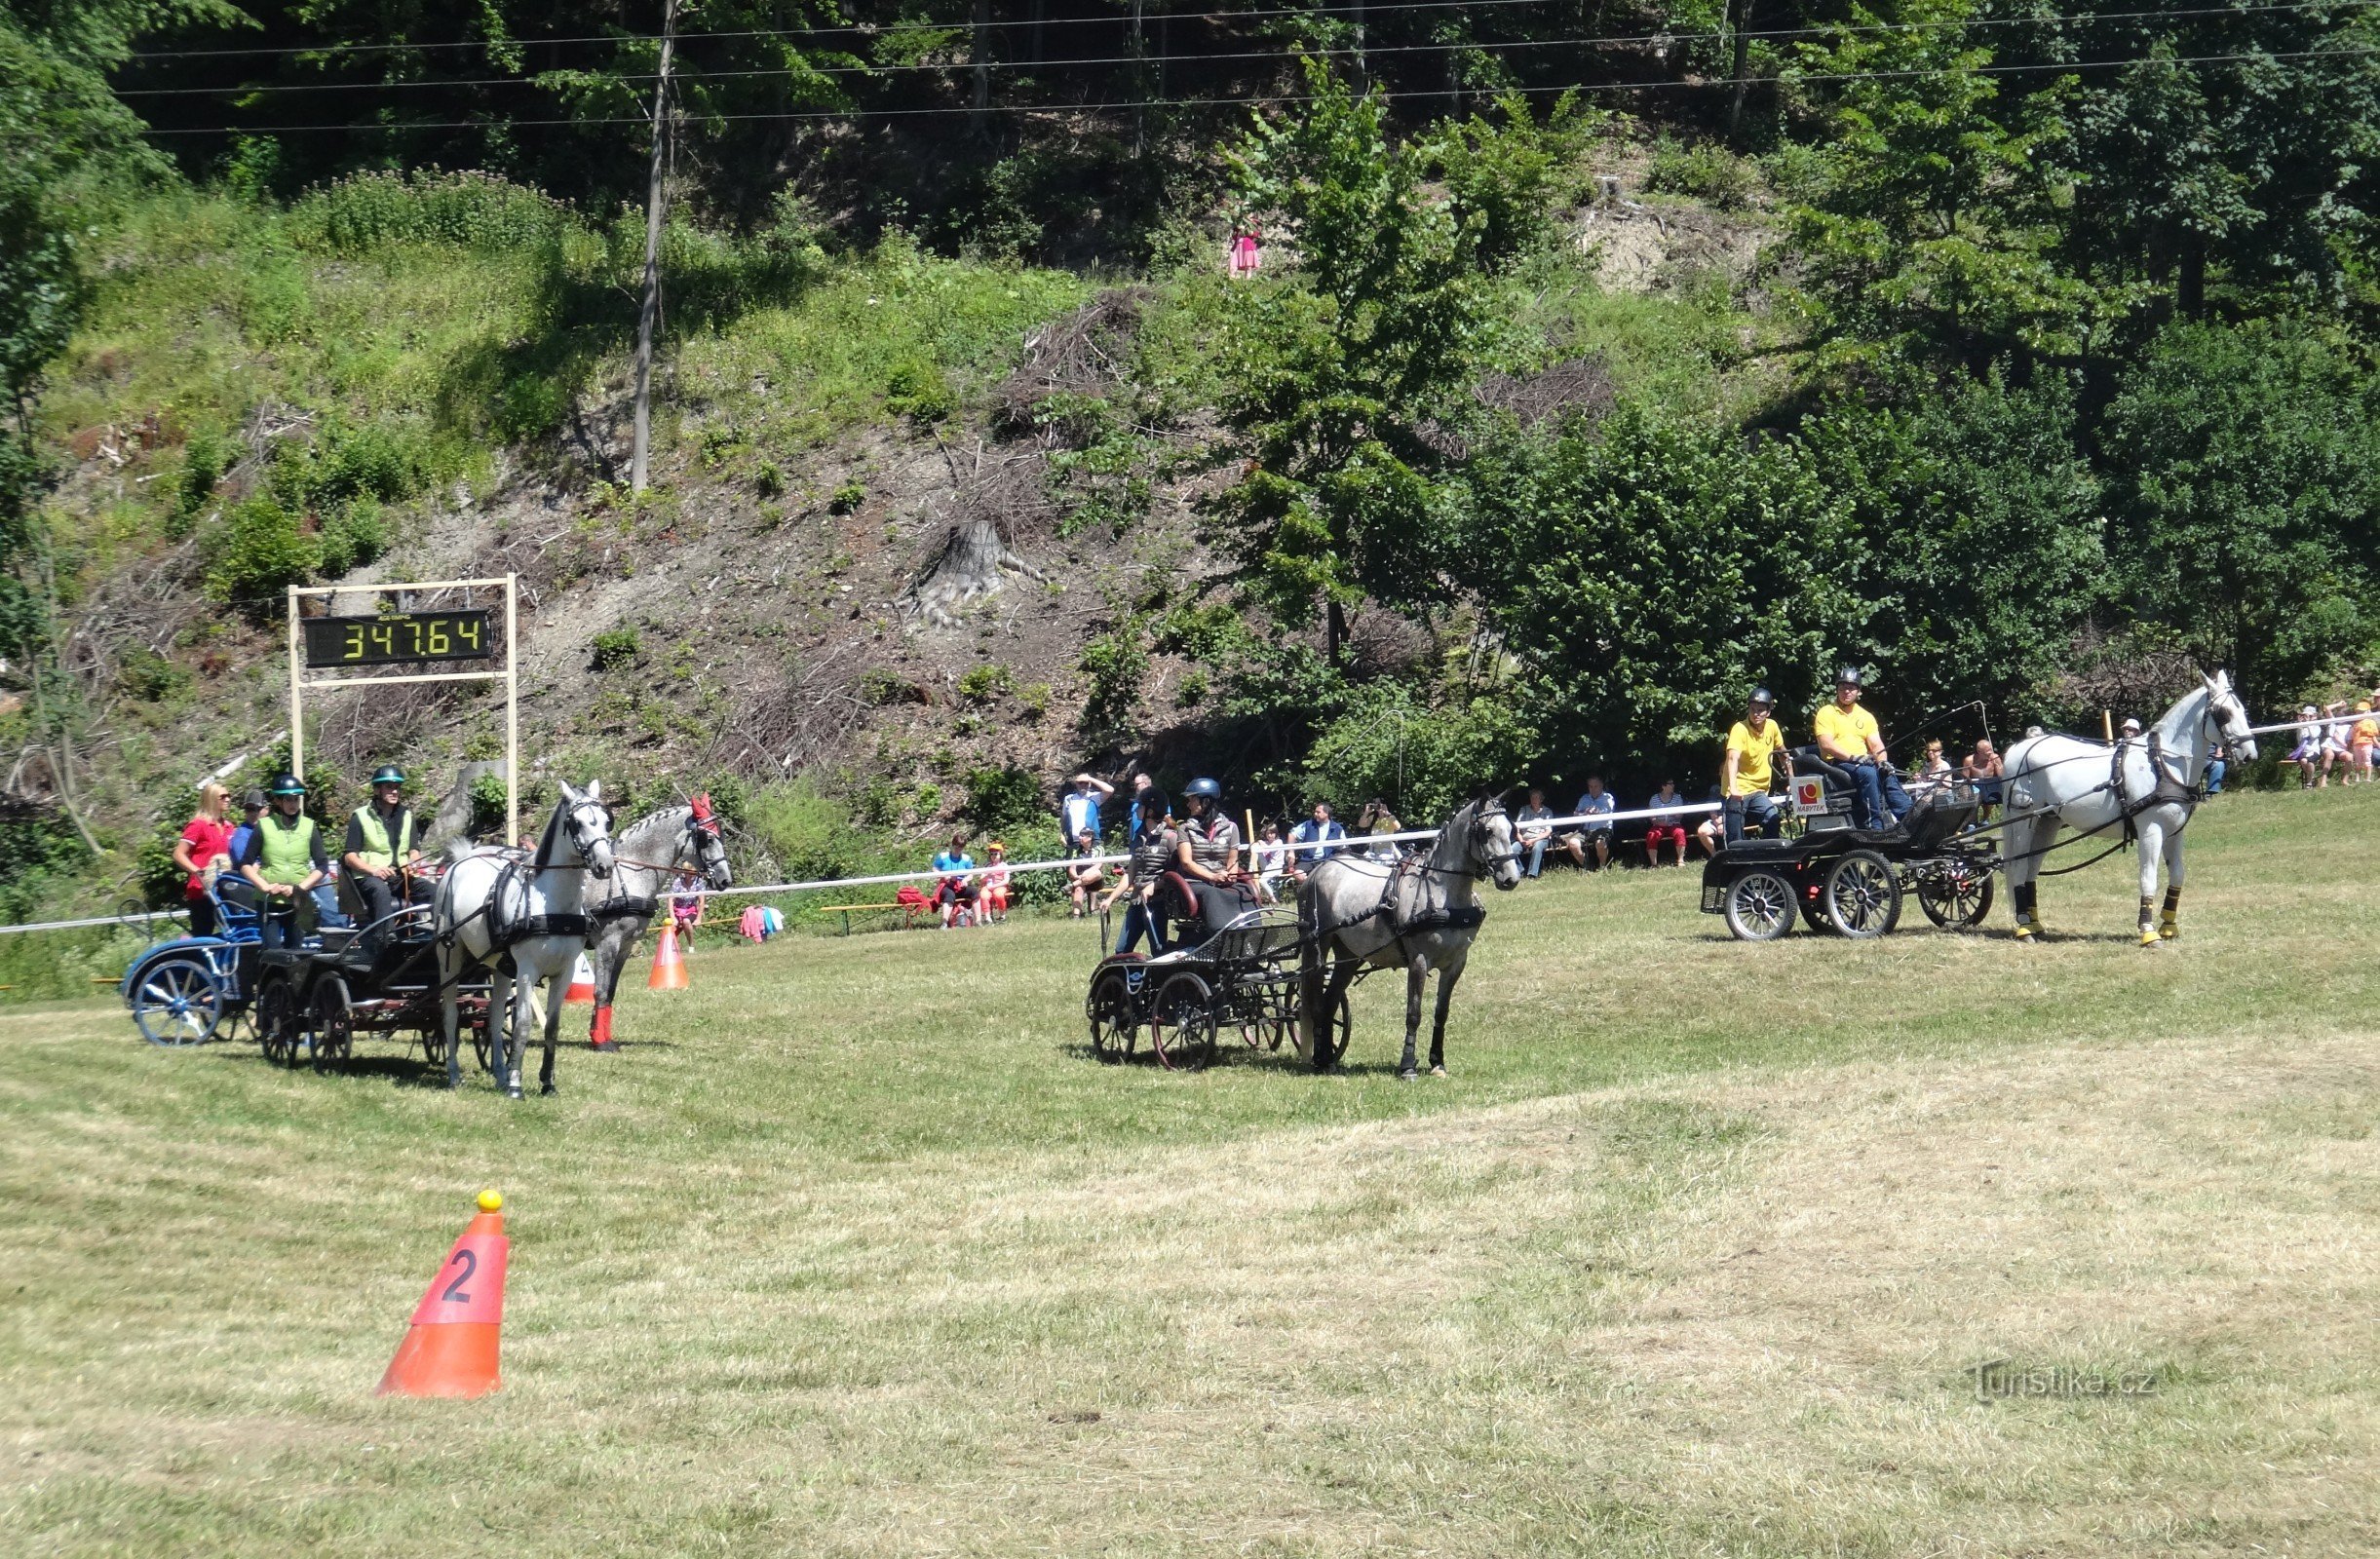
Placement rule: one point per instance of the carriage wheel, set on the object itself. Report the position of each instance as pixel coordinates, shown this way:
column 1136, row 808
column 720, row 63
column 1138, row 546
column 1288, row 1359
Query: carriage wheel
column 1862, row 896
column 478, row 1035
column 1760, row 905
column 277, row 1022
column 1956, row 897
column 334, row 1026
column 1814, row 911
column 178, row 1002
column 1182, row 1023
column 433, row 1039
column 1330, row 1039
column 1115, row 1028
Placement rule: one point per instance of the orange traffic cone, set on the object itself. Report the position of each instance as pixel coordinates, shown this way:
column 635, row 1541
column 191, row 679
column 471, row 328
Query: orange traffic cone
column 450, row 1348
column 581, row 982
column 668, row 964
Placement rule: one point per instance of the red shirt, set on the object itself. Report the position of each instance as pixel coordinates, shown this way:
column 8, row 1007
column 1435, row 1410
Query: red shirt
column 207, row 839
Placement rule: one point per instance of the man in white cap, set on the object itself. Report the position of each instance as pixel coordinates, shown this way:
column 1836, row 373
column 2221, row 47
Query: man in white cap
column 2312, row 755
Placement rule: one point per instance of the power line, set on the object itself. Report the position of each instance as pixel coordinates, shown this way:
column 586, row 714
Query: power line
column 1661, row 83
column 864, row 35
column 1566, row 41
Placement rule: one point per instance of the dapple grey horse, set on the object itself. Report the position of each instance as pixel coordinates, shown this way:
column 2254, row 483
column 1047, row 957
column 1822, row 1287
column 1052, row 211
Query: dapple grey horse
column 2060, row 782
column 488, row 891
column 1417, row 914
column 650, row 850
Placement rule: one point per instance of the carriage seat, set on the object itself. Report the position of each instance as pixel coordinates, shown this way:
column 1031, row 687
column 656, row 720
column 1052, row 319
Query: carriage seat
column 1842, row 796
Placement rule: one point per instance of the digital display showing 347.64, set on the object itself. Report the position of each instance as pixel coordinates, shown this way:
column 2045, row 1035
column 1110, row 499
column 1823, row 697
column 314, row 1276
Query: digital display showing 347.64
column 336, row 641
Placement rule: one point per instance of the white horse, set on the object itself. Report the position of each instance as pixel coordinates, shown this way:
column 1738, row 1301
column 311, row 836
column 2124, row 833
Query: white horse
column 2155, row 780
column 527, row 916
column 650, row 851
column 1416, row 915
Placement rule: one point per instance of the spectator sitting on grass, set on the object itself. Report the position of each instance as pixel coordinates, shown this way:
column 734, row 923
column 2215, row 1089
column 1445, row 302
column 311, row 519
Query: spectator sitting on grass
column 992, row 890
column 1084, row 881
column 2312, row 757
column 954, row 893
column 1596, row 802
column 1665, row 827
column 1272, row 862
column 1532, row 831
column 1315, row 840
column 1376, row 818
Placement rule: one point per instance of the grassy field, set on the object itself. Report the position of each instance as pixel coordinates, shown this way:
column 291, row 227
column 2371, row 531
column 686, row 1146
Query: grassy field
column 855, row 1251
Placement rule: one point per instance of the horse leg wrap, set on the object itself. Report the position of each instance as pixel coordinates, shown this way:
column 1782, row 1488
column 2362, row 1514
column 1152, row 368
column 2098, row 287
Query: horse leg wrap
column 2148, row 921
column 2023, row 893
column 2169, row 926
column 602, row 1040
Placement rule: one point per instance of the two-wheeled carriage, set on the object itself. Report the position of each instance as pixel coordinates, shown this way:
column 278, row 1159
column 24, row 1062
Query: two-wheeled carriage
column 1853, row 881
column 1240, row 980
column 185, row 990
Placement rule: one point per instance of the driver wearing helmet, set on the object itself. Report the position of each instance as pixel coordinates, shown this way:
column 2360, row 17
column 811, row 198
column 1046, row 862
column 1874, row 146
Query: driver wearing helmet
column 381, row 846
column 1743, row 774
column 1847, row 737
column 284, row 860
column 1208, row 857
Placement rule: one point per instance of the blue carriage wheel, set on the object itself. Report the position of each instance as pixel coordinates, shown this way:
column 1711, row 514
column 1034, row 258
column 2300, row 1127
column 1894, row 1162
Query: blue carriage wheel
column 178, row 1001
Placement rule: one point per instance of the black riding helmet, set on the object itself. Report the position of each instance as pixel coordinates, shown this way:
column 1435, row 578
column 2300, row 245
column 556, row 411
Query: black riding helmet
column 1848, row 678
column 1202, row 790
column 1761, row 699
column 287, row 784
column 387, row 774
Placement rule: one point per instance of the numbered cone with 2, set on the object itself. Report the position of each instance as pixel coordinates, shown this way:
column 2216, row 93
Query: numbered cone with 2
column 450, row 1348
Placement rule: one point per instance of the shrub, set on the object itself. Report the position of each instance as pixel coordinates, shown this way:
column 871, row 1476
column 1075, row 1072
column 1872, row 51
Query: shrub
column 149, row 676
column 616, row 647
column 848, row 497
column 984, row 683
column 1005, row 797
column 205, row 458
column 480, row 211
column 263, row 552
column 1113, row 664
column 918, row 390
column 1705, row 171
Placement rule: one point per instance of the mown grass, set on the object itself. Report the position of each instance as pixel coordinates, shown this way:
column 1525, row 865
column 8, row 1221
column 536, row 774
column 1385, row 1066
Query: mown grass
column 855, row 1251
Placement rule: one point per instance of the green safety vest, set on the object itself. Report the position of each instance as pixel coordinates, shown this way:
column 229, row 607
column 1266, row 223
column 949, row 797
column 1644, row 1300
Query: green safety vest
column 284, row 854
column 378, row 850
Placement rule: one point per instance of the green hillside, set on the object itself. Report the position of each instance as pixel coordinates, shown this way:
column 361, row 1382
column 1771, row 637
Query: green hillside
column 2022, row 360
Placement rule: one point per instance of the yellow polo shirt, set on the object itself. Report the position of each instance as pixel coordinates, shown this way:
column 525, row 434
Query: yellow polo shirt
column 1851, row 731
column 1752, row 755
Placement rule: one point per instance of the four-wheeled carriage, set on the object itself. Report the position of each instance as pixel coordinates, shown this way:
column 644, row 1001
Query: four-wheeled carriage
column 1239, row 982
column 314, row 1003
column 1853, row 881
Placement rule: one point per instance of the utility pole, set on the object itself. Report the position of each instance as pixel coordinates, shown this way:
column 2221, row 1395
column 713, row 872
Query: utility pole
column 1738, row 24
column 980, row 107
column 650, row 314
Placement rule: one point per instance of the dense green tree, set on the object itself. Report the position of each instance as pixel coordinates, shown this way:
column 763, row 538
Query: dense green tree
column 2246, row 494
column 1979, row 541
column 1928, row 209
column 2225, row 148
column 1647, row 573
column 1341, row 371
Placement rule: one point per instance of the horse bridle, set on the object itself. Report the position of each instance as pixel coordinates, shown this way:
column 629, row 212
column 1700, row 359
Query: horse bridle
column 698, row 829
column 578, row 837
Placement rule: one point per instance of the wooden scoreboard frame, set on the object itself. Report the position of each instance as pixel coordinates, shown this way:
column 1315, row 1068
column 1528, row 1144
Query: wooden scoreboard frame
column 389, row 655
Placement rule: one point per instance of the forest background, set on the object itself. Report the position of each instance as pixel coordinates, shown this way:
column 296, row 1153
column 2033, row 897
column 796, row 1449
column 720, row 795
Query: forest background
column 2028, row 366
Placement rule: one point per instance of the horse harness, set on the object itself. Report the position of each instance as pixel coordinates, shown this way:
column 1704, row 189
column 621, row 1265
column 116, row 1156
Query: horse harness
column 2170, row 789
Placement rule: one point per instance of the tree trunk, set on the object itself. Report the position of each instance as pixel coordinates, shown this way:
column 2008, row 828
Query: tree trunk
column 1334, row 631
column 2193, row 298
column 648, row 313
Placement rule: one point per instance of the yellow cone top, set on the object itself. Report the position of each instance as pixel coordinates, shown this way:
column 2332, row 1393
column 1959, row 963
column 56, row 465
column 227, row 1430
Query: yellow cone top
column 491, row 1200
